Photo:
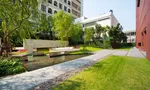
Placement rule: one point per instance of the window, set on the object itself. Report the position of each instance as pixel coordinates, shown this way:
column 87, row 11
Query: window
column 79, row 8
column 65, row 8
column 74, row 5
column 78, row 1
column 69, row 10
column 60, row 5
column 138, row 3
column 50, row 10
column 55, row 11
column 142, row 33
column 145, row 32
column 68, row 2
column 43, row 8
column 50, row 1
column 65, row 1
column 139, row 44
column 55, row 3
column 74, row 12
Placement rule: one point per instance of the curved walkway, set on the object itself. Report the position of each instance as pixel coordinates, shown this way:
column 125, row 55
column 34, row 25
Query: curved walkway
column 34, row 78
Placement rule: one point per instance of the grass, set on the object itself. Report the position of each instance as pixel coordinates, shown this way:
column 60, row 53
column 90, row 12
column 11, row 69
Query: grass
column 44, row 50
column 113, row 73
column 88, row 49
column 16, row 53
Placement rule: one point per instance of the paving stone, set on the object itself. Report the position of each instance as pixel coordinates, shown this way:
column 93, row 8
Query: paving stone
column 120, row 53
column 134, row 52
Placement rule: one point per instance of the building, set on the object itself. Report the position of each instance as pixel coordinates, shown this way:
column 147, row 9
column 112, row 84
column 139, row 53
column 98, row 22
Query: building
column 131, row 36
column 49, row 7
column 143, row 26
column 103, row 19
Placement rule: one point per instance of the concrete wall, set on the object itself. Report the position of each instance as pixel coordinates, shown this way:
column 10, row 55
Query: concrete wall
column 143, row 26
column 30, row 44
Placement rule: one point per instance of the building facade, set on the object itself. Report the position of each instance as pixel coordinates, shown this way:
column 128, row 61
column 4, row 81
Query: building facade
column 49, row 7
column 131, row 36
column 104, row 20
column 143, row 26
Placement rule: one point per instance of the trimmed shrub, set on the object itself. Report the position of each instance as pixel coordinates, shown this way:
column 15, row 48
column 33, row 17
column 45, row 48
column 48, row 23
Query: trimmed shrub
column 10, row 66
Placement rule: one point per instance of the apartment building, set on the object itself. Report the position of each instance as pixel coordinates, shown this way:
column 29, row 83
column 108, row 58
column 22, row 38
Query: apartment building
column 143, row 26
column 49, row 7
column 103, row 19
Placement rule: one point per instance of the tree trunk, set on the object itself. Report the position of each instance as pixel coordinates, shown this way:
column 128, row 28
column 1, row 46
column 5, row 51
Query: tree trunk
column 6, row 47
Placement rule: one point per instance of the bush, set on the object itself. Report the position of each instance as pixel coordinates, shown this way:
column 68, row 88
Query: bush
column 10, row 66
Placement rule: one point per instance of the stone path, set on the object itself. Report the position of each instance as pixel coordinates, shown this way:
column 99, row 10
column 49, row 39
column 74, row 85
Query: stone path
column 34, row 78
column 134, row 52
column 120, row 53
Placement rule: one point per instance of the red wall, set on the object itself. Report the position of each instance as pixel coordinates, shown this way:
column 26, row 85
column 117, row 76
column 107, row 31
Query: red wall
column 143, row 26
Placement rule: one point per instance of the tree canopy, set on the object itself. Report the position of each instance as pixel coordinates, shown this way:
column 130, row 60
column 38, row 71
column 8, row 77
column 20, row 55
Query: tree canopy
column 65, row 28
column 88, row 34
column 63, row 25
column 17, row 17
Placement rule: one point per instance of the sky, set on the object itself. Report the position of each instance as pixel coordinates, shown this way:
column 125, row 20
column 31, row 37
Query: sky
column 124, row 10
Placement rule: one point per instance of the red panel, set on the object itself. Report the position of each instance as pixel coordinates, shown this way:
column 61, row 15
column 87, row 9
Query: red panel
column 142, row 24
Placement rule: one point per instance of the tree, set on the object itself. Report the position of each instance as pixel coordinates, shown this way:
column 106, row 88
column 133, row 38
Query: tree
column 115, row 34
column 63, row 25
column 18, row 17
column 77, row 35
column 124, row 37
column 45, row 28
column 88, row 34
column 98, row 31
column 65, row 28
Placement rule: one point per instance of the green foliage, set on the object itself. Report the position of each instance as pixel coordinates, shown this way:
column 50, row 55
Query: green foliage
column 106, row 43
column 116, row 36
column 65, row 28
column 99, row 29
column 88, row 34
column 115, row 33
column 101, row 38
column 123, row 37
column 19, row 17
column 77, row 35
column 10, row 66
column 63, row 25
column 45, row 28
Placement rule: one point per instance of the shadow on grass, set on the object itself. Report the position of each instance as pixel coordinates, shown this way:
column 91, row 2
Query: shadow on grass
column 70, row 84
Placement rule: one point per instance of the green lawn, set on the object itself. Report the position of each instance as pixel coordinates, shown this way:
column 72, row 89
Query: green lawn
column 88, row 49
column 113, row 73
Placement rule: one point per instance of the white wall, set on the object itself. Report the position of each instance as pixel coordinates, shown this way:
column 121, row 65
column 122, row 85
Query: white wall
column 101, row 22
column 114, row 21
column 105, row 22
